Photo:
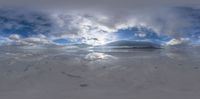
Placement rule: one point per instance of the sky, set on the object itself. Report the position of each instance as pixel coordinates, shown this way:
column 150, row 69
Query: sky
column 97, row 22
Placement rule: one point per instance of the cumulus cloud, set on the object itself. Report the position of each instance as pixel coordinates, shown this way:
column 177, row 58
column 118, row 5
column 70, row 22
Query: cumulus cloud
column 14, row 37
column 96, row 26
column 31, row 41
column 176, row 22
column 23, row 21
column 181, row 41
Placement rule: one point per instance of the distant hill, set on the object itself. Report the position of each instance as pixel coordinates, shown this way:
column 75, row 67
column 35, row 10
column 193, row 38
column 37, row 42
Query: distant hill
column 132, row 44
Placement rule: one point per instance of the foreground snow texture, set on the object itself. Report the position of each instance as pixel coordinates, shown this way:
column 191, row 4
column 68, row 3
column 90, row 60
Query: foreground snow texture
column 27, row 73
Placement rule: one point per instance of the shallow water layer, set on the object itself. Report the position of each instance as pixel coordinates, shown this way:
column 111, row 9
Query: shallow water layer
column 39, row 73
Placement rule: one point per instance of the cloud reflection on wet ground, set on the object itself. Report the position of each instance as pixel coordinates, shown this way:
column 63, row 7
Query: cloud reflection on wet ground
column 128, row 73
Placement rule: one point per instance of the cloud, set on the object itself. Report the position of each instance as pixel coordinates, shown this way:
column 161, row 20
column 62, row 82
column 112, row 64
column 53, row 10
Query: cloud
column 181, row 41
column 96, row 26
column 4, row 40
column 25, row 22
column 14, row 37
column 30, row 41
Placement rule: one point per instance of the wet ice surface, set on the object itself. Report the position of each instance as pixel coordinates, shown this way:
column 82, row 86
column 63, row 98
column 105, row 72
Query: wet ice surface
column 28, row 73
